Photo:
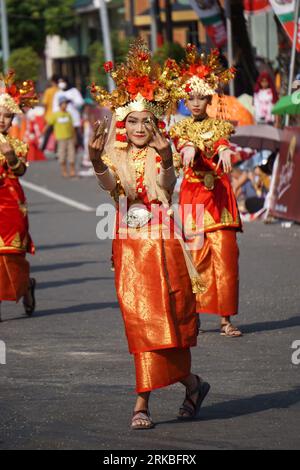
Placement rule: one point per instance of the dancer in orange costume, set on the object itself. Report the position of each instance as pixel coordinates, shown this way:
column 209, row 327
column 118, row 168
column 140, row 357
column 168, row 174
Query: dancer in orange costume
column 153, row 274
column 15, row 240
column 204, row 146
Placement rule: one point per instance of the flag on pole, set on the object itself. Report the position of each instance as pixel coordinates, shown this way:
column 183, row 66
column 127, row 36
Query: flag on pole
column 210, row 15
column 285, row 10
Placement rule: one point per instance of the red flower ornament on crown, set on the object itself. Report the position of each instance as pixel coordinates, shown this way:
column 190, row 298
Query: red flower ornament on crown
column 108, row 66
column 16, row 97
column 141, row 85
column 203, row 74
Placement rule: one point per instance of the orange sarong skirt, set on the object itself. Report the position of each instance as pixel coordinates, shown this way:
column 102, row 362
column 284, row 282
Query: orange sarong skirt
column 157, row 369
column 14, row 276
column 158, row 308
column 217, row 262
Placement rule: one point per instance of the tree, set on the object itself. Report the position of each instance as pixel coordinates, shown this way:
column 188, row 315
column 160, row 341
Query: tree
column 30, row 21
column 26, row 63
column 96, row 53
column 169, row 50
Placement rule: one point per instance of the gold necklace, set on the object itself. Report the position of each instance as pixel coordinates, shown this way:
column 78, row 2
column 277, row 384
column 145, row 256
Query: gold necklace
column 139, row 160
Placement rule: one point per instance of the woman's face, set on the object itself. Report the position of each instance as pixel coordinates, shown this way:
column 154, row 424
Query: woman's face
column 6, row 118
column 197, row 104
column 135, row 125
column 264, row 83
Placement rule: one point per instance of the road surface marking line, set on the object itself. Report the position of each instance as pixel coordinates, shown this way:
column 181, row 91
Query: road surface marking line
column 57, row 197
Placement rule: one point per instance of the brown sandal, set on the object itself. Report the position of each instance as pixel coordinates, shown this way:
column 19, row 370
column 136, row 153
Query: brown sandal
column 189, row 409
column 230, row 331
column 141, row 415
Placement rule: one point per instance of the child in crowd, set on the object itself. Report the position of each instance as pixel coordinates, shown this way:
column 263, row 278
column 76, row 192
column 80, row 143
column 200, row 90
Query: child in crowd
column 64, row 133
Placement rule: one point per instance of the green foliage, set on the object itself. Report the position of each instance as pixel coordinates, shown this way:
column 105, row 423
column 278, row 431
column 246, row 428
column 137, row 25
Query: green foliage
column 60, row 16
column 26, row 63
column 169, row 50
column 30, row 21
column 97, row 58
column 96, row 54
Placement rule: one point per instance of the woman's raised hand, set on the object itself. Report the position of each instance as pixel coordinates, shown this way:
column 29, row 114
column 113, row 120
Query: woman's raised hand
column 98, row 140
column 159, row 142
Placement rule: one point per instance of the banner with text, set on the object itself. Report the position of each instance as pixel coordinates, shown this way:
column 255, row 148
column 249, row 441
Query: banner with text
column 286, row 194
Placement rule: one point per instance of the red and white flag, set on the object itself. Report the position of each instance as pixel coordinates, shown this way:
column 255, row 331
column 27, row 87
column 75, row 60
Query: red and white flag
column 285, row 10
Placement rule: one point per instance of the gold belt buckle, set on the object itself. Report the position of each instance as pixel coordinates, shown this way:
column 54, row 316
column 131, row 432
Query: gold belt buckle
column 209, row 181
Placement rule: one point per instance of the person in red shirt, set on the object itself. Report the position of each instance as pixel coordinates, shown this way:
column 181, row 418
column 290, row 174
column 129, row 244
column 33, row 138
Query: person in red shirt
column 204, row 146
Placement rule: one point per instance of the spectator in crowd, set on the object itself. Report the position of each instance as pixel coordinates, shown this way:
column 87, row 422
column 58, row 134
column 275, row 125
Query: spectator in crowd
column 265, row 96
column 48, row 97
column 251, row 181
column 35, row 125
column 47, row 101
column 62, row 124
column 75, row 103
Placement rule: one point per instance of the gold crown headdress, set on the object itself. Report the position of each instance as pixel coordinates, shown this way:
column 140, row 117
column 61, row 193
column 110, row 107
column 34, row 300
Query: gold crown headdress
column 141, row 85
column 204, row 74
column 16, row 97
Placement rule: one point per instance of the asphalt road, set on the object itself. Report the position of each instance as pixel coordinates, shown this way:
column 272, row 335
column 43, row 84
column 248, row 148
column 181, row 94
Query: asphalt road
column 68, row 382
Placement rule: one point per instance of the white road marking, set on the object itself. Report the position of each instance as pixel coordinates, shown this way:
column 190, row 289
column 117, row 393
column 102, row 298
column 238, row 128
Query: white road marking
column 57, row 197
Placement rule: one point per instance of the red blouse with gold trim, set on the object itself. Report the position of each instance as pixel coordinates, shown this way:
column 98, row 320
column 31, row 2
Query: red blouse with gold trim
column 14, row 235
column 204, row 183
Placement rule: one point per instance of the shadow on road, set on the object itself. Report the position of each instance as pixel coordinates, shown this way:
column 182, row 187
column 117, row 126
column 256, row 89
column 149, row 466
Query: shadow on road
column 81, row 308
column 68, row 282
column 65, row 245
column 272, row 325
column 265, row 326
column 245, row 406
column 52, row 267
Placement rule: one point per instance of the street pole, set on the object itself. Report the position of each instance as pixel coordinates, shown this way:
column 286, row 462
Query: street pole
column 153, row 25
column 169, row 21
column 229, row 41
column 268, row 35
column 156, row 26
column 293, row 55
column 132, row 27
column 108, row 53
column 4, row 35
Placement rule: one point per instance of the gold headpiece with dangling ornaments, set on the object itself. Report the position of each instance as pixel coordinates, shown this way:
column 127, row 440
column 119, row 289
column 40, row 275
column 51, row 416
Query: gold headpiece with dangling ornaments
column 16, row 97
column 203, row 74
column 141, row 85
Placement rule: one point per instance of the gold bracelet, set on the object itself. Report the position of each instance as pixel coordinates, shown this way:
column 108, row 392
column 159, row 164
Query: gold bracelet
column 16, row 166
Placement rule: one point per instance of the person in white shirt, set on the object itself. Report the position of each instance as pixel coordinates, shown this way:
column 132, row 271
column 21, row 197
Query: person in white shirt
column 76, row 102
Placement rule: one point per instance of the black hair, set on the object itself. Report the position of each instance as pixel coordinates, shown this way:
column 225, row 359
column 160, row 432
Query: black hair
column 55, row 78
